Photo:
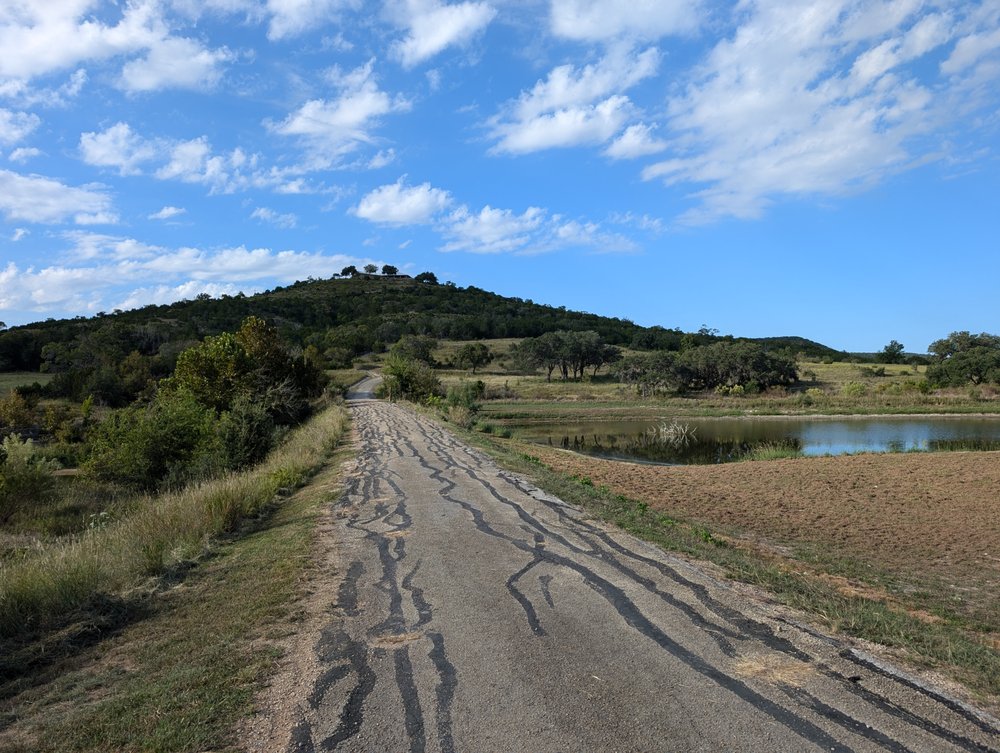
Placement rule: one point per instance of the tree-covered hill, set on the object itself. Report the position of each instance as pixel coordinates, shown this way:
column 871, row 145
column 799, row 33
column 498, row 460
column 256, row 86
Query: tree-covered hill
column 335, row 320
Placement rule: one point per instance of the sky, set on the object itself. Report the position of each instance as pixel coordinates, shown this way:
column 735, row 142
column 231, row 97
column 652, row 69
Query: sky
column 821, row 168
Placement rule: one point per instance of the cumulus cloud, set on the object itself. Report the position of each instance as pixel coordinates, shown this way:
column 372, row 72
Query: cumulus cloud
column 491, row 230
column 399, row 204
column 534, row 231
column 118, row 147
column 42, row 38
column 167, row 213
column 175, row 63
column 809, row 99
column 14, row 126
column 635, row 141
column 333, row 128
column 36, row 198
column 574, row 106
column 595, row 20
column 434, row 26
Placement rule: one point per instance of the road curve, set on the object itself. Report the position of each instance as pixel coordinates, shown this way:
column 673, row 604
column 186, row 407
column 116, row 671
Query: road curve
column 476, row 613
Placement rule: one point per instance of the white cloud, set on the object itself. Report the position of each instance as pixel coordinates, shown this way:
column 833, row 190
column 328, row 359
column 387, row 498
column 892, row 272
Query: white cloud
column 607, row 19
column 120, row 272
column 434, row 26
column 290, row 18
column 286, row 221
column 14, row 126
column 167, row 213
column 572, row 126
column 635, row 141
column 574, row 106
column 43, row 37
column 35, row 198
column 19, row 233
column 813, row 98
column 175, row 63
column 491, row 230
column 23, row 154
column 333, row 128
column 119, row 147
column 399, row 204
column 534, row 231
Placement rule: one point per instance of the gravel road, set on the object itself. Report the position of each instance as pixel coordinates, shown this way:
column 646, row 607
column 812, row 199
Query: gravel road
column 476, row 613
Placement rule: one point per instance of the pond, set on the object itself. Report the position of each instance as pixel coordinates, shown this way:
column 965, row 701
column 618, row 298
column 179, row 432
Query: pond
column 719, row 440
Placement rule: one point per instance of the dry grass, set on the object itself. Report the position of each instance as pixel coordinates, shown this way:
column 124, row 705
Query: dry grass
column 57, row 579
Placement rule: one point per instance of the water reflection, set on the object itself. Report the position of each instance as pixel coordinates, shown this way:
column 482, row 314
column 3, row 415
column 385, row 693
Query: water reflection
column 709, row 441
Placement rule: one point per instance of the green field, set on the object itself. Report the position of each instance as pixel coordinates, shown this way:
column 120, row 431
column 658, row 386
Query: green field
column 10, row 380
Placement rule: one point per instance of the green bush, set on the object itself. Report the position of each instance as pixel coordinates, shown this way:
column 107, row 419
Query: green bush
column 246, row 432
column 25, row 476
column 166, row 443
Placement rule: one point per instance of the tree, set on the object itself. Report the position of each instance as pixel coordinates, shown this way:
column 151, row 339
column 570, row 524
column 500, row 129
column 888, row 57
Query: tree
column 349, row 271
column 405, row 377
column 416, row 347
column 473, row 355
column 891, row 353
column 370, row 269
column 388, row 269
column 963, row 357
column 428, row 277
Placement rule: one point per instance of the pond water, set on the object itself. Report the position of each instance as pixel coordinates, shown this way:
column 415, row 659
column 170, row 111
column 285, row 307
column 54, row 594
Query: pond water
column 720, row 440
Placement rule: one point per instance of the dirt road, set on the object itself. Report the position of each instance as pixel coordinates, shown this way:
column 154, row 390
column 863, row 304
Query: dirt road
column 476, row 613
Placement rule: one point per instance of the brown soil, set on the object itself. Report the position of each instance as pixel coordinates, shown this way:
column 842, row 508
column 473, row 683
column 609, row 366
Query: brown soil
column 927, row 517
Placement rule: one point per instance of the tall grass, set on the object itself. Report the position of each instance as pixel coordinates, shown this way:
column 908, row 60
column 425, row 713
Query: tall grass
column 165, row 530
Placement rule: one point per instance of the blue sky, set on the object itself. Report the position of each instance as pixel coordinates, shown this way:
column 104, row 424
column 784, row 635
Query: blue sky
column 824, row 168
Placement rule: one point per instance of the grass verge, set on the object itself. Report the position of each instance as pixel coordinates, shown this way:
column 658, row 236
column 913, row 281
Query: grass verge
column 955, row 646
column 185, row 668
column 38, row 592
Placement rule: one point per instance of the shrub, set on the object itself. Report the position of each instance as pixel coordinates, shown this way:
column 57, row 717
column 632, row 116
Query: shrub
column 246, row 432
column 466, row 394
column 854, row 389
column 461, row 416
column 140, row 447
column 25, row 476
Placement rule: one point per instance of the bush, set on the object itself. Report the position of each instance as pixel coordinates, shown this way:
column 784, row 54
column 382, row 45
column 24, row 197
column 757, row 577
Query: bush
column 247, row 433
column 168, row 442
column 854, row 389
column 25, row 477
column 466, row 394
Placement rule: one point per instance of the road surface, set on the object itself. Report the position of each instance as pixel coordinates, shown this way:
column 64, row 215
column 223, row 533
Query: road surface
column 476, row 613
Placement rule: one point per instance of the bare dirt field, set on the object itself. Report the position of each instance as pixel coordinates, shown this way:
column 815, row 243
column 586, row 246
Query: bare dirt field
column 927, row 518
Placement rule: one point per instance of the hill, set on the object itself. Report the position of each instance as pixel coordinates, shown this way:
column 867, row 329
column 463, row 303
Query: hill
column 335, row 319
